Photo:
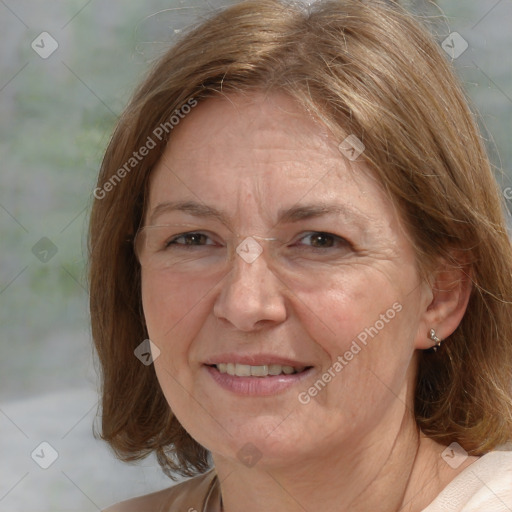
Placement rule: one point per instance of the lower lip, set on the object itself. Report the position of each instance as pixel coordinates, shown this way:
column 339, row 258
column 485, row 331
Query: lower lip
column 257, row 386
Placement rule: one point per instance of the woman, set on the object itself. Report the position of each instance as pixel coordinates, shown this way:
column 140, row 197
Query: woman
column 297, row 210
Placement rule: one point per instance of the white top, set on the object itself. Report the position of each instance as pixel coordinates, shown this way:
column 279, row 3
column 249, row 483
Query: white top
column 484, row 486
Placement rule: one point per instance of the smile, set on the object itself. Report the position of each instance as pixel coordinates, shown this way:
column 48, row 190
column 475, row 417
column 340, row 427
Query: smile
column 257, row 380
column 245, row 370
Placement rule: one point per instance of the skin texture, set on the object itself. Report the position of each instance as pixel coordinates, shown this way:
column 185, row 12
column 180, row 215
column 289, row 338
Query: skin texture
column 355, row 446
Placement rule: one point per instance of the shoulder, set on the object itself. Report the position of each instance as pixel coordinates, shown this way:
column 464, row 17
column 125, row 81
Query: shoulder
column 187, row 495
column 484, row 485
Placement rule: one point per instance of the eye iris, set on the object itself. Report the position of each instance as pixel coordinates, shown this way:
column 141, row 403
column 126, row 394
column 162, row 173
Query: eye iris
column 322, row 240
column 194, row 239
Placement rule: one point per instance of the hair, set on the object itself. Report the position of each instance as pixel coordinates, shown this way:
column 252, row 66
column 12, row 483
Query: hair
column 366, row 68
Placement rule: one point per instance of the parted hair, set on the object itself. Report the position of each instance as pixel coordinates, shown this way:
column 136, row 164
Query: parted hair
column 366, row 68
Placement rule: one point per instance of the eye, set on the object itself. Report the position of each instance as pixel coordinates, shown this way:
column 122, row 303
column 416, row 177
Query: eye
column 321, row 240
column 190, row 239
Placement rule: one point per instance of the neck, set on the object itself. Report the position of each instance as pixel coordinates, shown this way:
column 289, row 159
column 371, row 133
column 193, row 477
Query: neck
column 387, row 474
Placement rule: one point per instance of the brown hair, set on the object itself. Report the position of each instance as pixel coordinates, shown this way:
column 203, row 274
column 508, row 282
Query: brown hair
column 365, row 68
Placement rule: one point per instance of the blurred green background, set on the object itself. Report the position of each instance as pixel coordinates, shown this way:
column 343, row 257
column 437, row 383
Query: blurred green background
column 56, row 116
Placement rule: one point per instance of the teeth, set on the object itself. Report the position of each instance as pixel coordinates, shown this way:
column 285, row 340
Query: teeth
column 245, row 370
column 259, row 371
column 275, row 369
column 242, row 370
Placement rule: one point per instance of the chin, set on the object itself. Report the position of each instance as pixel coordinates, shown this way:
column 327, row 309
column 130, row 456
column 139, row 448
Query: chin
column 265, row 439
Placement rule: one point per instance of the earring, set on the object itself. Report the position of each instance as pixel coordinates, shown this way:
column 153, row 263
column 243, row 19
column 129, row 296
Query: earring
column 433, row 337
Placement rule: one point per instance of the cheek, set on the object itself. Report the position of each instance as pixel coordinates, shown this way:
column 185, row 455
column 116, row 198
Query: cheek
column 169, row 302
column 362, row 323
column 175, row 310
column 337, row 313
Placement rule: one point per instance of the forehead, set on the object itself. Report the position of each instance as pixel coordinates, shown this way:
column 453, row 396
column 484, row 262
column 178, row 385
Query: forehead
column 259, row 153
column 251, row 130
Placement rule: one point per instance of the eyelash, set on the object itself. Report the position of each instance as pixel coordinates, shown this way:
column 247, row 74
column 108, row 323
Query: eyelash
column 336, row 239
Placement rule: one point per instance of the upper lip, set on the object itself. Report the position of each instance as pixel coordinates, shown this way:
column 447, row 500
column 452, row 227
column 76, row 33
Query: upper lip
column 255, row 360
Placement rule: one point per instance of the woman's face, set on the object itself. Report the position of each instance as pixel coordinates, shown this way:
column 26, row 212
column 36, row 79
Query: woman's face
column 327, row 285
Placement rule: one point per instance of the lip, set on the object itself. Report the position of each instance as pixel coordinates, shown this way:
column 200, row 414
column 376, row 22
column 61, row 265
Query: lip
column 255, row 360
column 257, row 386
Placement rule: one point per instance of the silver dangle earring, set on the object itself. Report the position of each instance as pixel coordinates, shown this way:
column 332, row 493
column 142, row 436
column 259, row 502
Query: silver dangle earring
column 437, row 340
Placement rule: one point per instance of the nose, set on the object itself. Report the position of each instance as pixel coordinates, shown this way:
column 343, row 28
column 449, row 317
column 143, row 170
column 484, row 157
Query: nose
column 251, row 296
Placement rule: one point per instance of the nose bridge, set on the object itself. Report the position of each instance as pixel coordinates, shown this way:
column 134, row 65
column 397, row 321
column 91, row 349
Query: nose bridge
column 251, row 292
column 250, row 248
column 254, row 259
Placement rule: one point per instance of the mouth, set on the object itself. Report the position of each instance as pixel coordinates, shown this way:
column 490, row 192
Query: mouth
column 265, row 370
column 267, row 377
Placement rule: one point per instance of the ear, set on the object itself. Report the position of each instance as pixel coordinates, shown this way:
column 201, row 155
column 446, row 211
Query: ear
column 448, row 296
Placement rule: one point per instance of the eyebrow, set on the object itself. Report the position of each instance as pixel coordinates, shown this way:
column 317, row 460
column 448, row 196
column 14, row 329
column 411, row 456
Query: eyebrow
column 299, row 213
column 294, row 214
column 190, row 207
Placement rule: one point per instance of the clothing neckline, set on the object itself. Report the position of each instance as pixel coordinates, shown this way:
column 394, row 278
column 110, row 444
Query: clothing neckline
column 488, row 461
column 213, row 500
column 470, row 481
